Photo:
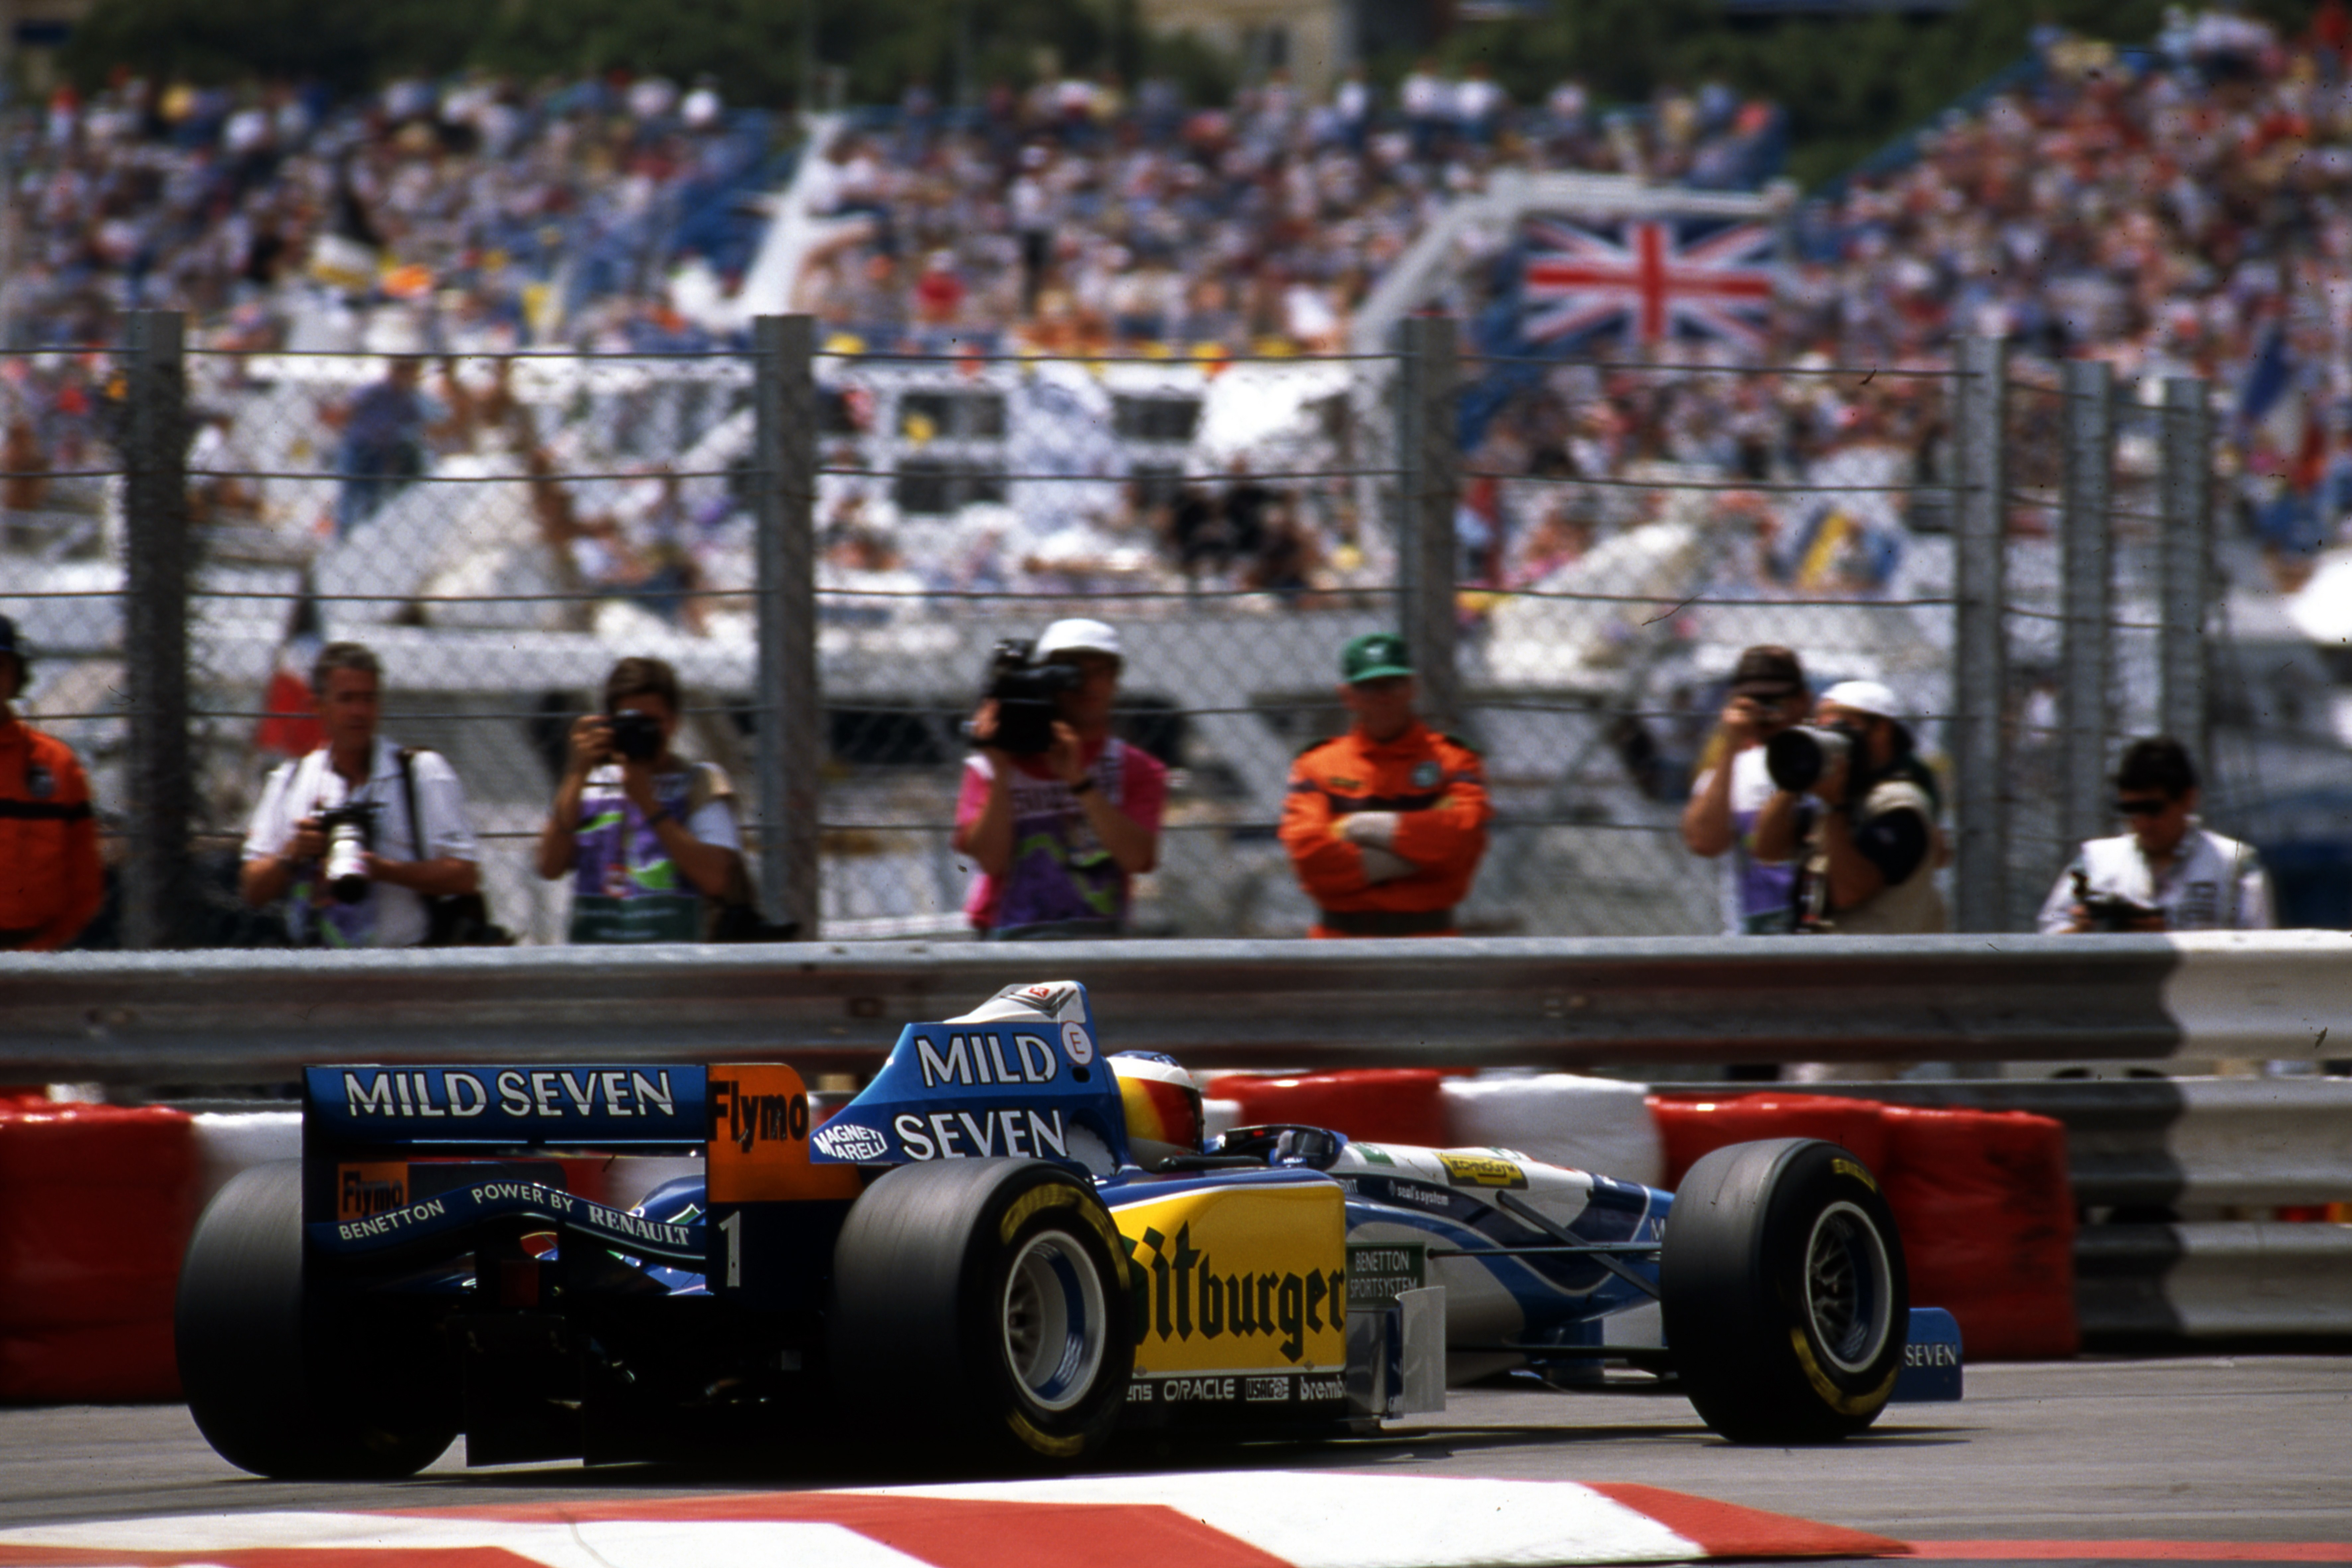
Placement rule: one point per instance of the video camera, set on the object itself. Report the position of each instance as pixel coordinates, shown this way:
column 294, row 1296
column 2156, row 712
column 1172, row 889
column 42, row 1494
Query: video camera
column 636, row 735
column 1024, row 692
column 350, row 834
column 2111, row 913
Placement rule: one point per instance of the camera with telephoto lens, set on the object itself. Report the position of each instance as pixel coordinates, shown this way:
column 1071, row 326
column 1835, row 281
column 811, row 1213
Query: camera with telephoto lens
column 1797, row 758
column 1024, row 693
column 636, row 736
column 2111, row 914
column 351, row 833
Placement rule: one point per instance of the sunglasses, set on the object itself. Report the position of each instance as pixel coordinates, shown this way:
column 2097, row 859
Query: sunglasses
column 2143, row 805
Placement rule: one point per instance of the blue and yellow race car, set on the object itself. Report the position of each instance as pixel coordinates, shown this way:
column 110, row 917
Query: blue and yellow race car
column 1030, row 1242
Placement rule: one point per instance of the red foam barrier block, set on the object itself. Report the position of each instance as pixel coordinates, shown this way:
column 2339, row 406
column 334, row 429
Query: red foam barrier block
column 96, row 1204
column 1987, row 1212
column 1694, row 1126
column 89, row 1363
column 1392, row 1105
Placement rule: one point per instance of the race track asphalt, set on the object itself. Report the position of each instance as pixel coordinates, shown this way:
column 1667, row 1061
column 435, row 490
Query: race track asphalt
column 2215, row 1449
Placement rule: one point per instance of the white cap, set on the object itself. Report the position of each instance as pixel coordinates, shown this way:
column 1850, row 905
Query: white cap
column 1865, row 697
column 1079, row 635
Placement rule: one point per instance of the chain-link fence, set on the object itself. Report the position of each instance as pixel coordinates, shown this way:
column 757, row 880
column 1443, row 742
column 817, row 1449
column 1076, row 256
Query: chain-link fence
column 1579, row 551
column 500, row 531
column 1224, row 516
column 61, row 553
column 1691, row 512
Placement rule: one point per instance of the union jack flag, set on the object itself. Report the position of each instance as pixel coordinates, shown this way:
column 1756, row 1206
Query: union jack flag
column 1657, row 277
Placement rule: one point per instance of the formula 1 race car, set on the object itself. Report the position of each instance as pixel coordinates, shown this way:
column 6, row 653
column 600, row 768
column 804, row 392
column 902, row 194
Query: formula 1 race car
column 1029, row 1244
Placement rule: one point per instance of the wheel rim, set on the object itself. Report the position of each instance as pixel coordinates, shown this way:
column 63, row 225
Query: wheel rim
column 1055, row 1327
column 1849, row 1292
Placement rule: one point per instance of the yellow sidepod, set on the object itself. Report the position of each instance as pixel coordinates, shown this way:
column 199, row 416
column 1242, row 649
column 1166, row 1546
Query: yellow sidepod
column 1231, row 1280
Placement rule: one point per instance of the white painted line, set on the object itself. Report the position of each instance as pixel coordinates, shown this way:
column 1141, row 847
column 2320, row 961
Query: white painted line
column 1331, row 1519
column 621, row 1543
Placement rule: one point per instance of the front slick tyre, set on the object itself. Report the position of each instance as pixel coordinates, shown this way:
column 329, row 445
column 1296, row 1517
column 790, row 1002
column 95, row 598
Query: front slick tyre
column 989, row 1297
column 1783, row 1291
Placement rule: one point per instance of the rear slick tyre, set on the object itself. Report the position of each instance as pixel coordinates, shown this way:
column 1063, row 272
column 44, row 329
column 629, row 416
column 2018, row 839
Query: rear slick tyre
column 253, row 1345
column 1783, row 1291
column 991, row 1294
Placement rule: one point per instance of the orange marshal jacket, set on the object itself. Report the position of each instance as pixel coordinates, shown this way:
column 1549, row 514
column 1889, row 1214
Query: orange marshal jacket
column 1438, row 788
column 50, row 882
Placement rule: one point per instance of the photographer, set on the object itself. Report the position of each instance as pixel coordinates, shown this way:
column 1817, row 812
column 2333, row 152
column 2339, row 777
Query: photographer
column 357, row 836
column 1767, row 695
column 1058, row 821
column 651, row 837
column 1870, row 844
column 2168, row 873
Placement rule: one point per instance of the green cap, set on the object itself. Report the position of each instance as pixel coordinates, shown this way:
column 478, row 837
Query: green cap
column 1375, row 656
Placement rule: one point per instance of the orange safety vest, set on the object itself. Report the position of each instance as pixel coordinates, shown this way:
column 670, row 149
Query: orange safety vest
column 1438, row 787
column 50, row 881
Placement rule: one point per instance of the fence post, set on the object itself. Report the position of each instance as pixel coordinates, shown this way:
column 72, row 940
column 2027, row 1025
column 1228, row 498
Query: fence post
column 2085, row 577
column 790, row 730
column 2185, row 569
column 158, row 875
column 1429, row 483
column 1979, row 816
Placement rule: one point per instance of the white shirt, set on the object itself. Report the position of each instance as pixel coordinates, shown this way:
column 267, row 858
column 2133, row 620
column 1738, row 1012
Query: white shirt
column 1753, row 890
column 387, row 916
column 1424, row 96
column 2212, row 884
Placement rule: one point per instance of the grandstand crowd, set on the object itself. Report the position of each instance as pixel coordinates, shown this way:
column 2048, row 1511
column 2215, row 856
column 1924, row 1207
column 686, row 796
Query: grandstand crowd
column 2178, row 208
column 503, row 213
column 1076, row 222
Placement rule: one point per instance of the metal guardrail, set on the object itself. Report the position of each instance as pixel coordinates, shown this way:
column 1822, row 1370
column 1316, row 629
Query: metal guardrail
column 2163, row 1283
column 255, row 1016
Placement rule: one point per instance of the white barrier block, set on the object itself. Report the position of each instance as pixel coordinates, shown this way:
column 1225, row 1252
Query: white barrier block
column 1596, row 1124
column 1222, row 1116
column 2274, row 995
column 228, row 1142
column 2260, row 1278
column 2264, row 1139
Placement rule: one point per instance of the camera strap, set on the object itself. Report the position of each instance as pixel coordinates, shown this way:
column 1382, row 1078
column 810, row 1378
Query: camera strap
column 408, row 792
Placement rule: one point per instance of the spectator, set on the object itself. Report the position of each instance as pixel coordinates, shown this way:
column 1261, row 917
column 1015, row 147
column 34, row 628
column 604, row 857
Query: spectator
column 50, row 878
column 421, row 846
column 1288, row 557
column 651, row 839
column 641, row 551
column 1059, row 836
column 1479, row 102
column 23, row 485
column 1386, row 824
column 1036, row 216
column 1869, row 841
column 1767, row 695
column 2170, row 872
column 1427, row 99
column 1351, row 109
column 382, row 444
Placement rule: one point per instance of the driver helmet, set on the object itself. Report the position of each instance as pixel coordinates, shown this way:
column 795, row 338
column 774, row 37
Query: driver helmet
column 1162, row 1105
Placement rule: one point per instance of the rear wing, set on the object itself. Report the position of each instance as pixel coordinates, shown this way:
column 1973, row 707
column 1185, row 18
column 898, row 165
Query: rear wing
column 402, row 1162
column 508, row 1107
